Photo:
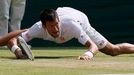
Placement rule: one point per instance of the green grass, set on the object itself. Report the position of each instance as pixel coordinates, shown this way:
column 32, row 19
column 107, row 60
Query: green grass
column 62, row 61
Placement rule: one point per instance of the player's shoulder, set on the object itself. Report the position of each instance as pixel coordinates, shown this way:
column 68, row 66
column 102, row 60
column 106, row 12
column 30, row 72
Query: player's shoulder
column 65, row 9
column 66, row 21
column 38, row 24
column 70, row 24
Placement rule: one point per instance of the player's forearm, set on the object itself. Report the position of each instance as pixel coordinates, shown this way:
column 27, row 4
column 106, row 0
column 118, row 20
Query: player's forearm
column 5, row 39
column 92, row 47
column 13, row 34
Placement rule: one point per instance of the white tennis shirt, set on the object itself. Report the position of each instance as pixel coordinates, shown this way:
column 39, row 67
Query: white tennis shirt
column 70, row 28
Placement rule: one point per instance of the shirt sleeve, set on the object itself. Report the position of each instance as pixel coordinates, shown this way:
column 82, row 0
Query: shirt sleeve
column 79, row 33
column 32, row 32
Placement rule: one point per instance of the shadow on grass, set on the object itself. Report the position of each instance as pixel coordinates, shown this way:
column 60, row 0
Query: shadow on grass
column 12, row 58
column 39, row 57
column 7, row 57
column 54, row 57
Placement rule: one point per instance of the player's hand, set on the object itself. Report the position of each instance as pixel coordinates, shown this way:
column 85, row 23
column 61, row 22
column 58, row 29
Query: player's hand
column 23, row 30
column 85, row 57
column 19, row 54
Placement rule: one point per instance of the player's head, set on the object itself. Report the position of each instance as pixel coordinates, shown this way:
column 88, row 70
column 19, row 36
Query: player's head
column 50, row 21
column 48, row 15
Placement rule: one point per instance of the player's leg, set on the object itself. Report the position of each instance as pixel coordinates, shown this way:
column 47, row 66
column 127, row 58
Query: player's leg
column 4, row 39
column 17, row 12
column 117, row 49
column 4, row 16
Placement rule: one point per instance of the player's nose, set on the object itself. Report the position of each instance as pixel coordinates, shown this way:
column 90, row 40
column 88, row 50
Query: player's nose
column 56, row 29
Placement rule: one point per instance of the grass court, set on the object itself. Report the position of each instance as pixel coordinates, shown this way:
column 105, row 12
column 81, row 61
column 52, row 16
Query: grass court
column 63, row 61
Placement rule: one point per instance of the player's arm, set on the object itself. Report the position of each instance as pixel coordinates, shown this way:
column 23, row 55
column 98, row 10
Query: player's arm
column 4, row 39
column 84, row 39
column 27, row 36
column 32, row 32
column 92, row 49
column 13, row 45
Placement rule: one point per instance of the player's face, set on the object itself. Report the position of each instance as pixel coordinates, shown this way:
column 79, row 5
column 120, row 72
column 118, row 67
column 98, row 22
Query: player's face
column 53, row 28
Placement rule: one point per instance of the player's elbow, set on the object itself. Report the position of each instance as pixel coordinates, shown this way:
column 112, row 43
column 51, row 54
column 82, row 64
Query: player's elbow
column 92, row 45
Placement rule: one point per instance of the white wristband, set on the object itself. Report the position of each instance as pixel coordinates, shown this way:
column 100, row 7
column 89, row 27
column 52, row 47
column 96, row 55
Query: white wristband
column 88, row 53
column 14, row 47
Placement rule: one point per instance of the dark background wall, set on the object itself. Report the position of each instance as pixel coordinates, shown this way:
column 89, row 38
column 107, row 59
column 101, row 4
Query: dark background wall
column 112, row 18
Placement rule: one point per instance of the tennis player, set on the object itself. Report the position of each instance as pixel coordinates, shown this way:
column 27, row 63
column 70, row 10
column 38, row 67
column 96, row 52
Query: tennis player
column 65, row 23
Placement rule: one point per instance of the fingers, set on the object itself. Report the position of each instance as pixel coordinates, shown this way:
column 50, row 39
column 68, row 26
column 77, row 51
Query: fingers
column 84, row 57
column 24, row 30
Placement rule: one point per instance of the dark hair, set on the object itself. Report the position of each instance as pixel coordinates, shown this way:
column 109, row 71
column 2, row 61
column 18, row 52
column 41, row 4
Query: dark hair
column 48, row 15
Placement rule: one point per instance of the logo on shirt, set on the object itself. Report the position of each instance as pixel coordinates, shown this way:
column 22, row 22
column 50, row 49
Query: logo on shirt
column 82, row 36
column 28, row 36
column 101, row 43
column 62, row 38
